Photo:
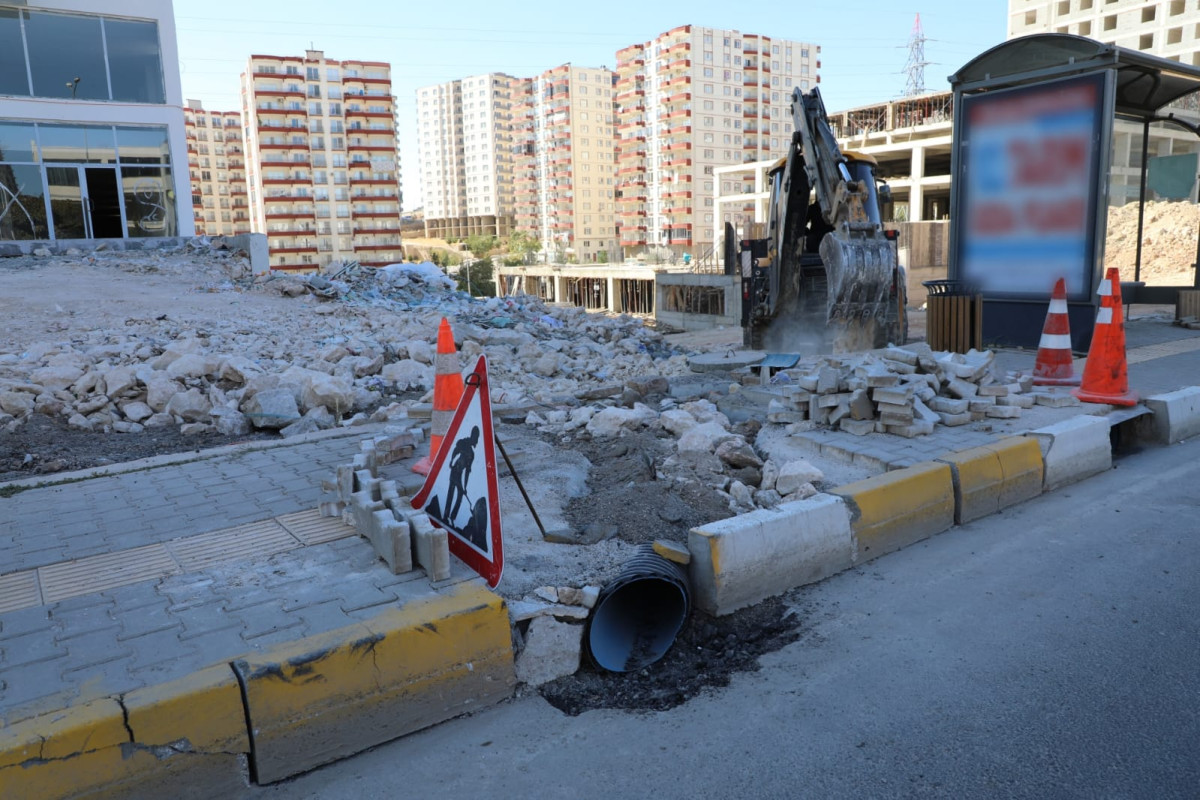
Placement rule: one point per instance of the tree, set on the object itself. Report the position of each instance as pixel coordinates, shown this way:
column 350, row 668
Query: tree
column 523, row 244
column 602, row 256
column 477, row 279
column 481, row 245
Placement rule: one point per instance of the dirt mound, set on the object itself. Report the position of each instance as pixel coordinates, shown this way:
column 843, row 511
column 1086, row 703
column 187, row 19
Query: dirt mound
column 1168, row 242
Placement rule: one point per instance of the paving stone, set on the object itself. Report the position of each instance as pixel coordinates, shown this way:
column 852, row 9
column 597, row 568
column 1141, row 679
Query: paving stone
column 81, row 621
column 358, row 595
column 28, row 683
column 26, row 620
column 205, row 618
column 30, row 648
column 322, row 617
column 138, row 622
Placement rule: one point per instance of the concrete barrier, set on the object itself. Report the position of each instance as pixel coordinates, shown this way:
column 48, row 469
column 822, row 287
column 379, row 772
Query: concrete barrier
column 335, row 694
column 182, row 739
column 1073, row 449
column 994, row 476
column 742, row 560
column 898, row 508
column 1176, row 416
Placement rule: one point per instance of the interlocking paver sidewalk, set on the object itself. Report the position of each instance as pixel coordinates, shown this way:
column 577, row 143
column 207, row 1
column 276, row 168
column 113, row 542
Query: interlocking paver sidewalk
column 104, row 643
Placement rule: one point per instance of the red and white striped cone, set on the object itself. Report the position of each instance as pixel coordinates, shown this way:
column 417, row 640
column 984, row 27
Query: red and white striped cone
column 1106, row 374
column 447, row 392
column 1054, row 366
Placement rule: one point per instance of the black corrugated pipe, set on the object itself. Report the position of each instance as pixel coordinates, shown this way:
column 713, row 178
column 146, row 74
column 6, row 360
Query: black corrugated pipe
column 639, row 614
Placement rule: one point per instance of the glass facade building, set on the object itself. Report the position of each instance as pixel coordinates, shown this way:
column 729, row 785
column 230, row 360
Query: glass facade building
column 89, row 122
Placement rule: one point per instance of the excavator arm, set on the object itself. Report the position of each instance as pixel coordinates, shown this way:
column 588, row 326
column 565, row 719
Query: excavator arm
column 828, row 262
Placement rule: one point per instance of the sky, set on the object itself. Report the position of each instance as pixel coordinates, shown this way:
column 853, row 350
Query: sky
column 864, row 43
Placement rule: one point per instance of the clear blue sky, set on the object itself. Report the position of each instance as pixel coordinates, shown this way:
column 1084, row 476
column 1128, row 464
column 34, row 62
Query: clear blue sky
column 864, row 43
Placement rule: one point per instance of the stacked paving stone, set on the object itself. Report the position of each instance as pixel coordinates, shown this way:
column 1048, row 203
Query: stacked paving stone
column 401, row 535
column 904, row 391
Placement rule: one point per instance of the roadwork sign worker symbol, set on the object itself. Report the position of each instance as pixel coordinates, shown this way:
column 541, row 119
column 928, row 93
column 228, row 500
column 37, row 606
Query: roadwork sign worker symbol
column 456, row 476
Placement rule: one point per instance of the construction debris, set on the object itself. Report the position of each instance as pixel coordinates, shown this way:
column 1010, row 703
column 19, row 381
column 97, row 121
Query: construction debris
column 264, row 364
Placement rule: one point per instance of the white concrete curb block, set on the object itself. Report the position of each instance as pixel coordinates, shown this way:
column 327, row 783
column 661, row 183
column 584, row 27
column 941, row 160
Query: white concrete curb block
column 1074, row 449
column 742, row 560
column 1176, row 415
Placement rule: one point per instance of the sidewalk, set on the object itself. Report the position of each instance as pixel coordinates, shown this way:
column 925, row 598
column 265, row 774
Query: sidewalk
column 119, row 582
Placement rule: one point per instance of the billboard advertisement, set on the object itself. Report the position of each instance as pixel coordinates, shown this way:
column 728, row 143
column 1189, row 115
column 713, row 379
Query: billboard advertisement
column 1031, row 162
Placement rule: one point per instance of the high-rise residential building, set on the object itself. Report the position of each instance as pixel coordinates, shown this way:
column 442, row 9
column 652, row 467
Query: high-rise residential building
column 91, row 133
column 689, row 101
column 564, row 169
column 464, row 143
column 1166, row 28
column 322, row 165
column 218, row 170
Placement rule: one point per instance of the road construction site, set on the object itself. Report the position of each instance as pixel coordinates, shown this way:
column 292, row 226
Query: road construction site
column 150, row 606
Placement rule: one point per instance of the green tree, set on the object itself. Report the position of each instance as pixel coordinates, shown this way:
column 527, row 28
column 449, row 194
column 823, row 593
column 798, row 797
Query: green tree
column 602, row 256
column 481, row 245
column 522, row 244
column 478, row 279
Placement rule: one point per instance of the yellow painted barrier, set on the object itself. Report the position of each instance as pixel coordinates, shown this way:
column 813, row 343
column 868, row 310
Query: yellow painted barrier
column 898, row 508
column 335, row 694
column 146, row 744
column 994, row 476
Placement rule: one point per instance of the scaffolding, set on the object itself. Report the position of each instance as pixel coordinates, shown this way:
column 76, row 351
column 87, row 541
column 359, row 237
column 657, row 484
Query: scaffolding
column 634, row 296
column 694, row 300
column 588, row 293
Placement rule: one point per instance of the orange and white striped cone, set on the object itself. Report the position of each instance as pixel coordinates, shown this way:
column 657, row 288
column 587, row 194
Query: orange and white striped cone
column 1054, row 366
column 1105, row 375
column 447, row 392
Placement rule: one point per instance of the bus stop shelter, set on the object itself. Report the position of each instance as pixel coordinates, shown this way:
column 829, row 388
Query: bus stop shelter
column 1033, row 132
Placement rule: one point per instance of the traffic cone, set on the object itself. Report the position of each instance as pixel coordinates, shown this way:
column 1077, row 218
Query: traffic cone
column 447, row 392
column 1054, row 366
column 1105, row 375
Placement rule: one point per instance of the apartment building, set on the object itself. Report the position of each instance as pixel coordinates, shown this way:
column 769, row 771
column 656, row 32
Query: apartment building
column 1166, row 28
column 322, row 165
column 564, row 163
column 217, row 167
column 91, row 131
column 688, row 102
column 465, row 149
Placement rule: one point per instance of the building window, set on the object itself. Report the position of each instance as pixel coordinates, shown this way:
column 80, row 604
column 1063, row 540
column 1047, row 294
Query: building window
column 66, row 57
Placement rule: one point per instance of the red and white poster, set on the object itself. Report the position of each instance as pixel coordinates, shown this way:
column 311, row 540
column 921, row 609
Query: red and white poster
column 1031, row 161
column 461, row 493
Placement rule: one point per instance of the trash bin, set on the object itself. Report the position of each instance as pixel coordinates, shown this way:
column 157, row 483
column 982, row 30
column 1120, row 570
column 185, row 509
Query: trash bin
column 954, row 316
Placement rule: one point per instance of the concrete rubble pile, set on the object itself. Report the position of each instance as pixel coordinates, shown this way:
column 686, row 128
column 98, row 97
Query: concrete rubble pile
column 904, row 391
column 709, row 450
column 338, row 353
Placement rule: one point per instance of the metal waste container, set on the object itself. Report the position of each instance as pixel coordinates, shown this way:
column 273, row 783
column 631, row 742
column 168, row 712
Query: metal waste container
column 954, row 316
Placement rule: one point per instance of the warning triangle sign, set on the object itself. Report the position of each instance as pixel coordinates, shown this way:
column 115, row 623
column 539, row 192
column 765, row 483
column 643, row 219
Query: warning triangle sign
column 461, row 493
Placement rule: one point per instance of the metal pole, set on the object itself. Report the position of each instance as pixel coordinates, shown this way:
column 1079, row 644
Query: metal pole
column 513, row 470
column 1137, row 264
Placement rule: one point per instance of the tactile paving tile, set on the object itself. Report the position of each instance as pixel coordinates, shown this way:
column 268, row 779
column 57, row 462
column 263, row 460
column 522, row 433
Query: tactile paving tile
column 19, row 590
column 253, row 540
column 1153, row 351
column 311, row 528
column 106, row 571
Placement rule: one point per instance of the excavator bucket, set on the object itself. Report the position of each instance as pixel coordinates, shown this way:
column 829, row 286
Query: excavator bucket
column 860, row 273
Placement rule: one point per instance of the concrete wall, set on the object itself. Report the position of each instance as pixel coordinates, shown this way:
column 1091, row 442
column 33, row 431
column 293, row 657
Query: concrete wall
column 666, row 282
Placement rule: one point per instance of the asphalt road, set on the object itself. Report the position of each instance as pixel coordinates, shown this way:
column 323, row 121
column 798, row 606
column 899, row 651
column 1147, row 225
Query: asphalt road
column 1049, row 651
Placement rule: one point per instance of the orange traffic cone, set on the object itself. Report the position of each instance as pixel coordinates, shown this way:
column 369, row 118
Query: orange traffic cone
column 1053, row 366
column 447, row 392
column 1105, row 376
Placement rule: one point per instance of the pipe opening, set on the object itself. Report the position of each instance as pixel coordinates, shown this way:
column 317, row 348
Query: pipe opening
column 638, row 616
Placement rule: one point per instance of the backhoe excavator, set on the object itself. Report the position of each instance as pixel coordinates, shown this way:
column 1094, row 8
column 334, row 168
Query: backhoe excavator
column 826, row 276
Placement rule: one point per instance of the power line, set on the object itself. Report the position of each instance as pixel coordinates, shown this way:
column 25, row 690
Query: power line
column 915, row 66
